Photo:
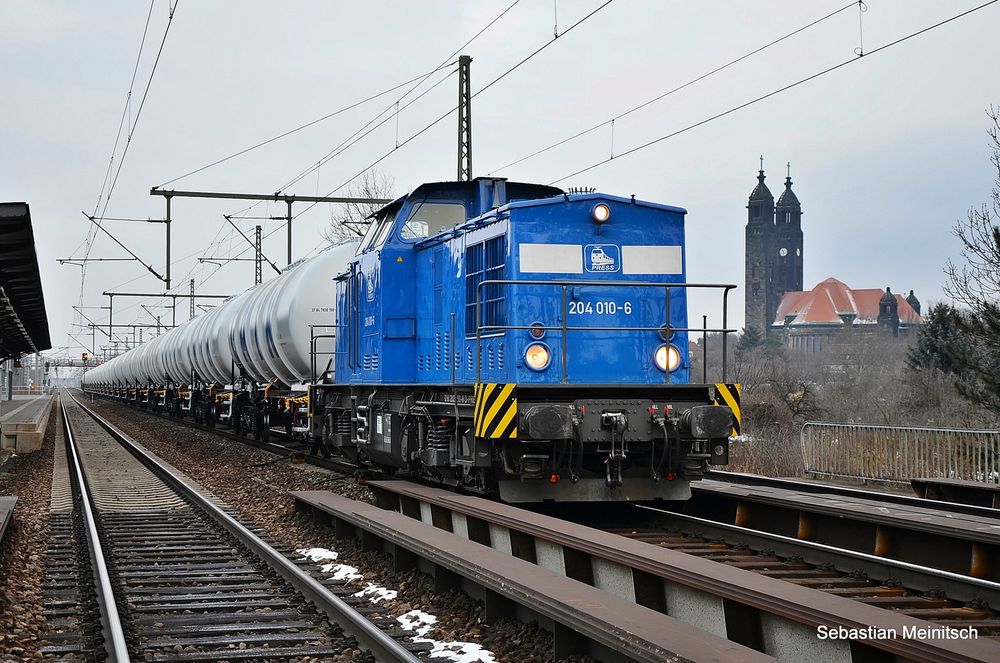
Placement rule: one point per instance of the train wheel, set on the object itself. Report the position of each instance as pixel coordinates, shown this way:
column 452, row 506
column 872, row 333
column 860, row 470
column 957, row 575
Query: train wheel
column 265, row 427
column 248, row 421
column 256, row 422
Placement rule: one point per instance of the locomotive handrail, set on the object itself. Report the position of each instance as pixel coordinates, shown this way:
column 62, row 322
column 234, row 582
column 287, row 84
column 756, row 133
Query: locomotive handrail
column 564, row 327
column 312, row 349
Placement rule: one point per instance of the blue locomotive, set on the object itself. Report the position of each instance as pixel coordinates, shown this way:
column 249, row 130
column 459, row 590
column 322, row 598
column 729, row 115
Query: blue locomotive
column 520, row 341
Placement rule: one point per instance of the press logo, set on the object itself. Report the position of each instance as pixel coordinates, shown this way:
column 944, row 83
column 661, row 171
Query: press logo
column 602, row 258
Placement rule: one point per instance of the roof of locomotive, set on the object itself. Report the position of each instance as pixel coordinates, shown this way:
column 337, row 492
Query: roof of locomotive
column 479, row 196
column 469, row 191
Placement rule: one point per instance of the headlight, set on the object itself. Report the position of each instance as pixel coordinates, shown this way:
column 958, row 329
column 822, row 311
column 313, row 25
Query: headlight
column 537, row 356
column 601, row 213
column 537, row 330
column 667, row 357
column 666, row 332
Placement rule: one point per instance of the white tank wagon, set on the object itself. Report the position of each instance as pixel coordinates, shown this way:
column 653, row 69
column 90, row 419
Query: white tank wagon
column 246, row 360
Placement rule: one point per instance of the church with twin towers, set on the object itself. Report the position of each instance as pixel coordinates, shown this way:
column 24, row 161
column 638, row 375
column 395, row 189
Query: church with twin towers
column 773, row 251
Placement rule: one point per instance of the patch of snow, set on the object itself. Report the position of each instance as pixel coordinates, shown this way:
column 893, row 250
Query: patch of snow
column 318, row 554
column 341, row 572
column 381, row 593
column 458, row 652
column 417, row 620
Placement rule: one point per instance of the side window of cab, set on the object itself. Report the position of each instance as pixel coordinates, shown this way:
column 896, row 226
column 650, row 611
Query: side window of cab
column 378, row 230
column 430, row 218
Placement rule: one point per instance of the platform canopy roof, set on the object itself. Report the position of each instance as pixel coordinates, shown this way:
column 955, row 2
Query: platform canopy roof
column 24, row 327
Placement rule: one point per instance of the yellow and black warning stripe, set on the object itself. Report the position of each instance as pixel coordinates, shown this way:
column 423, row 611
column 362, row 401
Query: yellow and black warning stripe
column 729, row 395
column 496, row 411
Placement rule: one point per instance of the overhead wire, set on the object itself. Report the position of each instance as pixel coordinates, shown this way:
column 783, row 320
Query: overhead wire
column 395, row 106
column 426, row 128
column 768, row 95
column 142, row 104
column 674, row 90
column 98, row 220
column 364, row 131
column 473, row 96
column 91, row 235
column 337, row 150
column 350, row 140
column 301, row 127
column 442, row 117
column 125, row 109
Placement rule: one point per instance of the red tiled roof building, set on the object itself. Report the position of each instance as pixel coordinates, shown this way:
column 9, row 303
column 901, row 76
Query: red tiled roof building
column 812, row 319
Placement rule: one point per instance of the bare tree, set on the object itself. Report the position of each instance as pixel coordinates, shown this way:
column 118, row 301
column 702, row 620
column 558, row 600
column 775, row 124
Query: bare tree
column 976, row 284
column 350, row 220
column 977, row 281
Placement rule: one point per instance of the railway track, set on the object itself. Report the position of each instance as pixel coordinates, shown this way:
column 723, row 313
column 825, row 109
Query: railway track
column 178, row 578
column 941, row 598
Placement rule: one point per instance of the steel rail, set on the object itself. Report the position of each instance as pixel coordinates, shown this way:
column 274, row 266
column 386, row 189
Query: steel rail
column 847, row 491
column 114, row 635
column 383, row 647
column 913, row 576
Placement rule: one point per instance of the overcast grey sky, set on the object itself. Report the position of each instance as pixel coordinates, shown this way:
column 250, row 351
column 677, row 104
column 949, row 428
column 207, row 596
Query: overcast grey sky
column 886, row 153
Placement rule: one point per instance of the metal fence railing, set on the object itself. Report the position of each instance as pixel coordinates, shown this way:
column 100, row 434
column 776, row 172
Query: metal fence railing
column 898, row 454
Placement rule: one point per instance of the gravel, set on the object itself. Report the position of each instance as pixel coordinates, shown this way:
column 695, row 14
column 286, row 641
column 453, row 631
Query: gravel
column 256, row 486
column 22, row 552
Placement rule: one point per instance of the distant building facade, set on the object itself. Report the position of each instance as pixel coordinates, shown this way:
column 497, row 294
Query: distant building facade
column 814, row 319
column 773, row 251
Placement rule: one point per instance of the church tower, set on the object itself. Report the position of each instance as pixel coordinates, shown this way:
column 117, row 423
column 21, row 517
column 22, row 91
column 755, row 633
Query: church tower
column 759, row 242
column 888, row 313
column 787, row 248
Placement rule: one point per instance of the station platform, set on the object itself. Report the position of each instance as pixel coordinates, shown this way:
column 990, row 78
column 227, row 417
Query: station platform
column 23, row 421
